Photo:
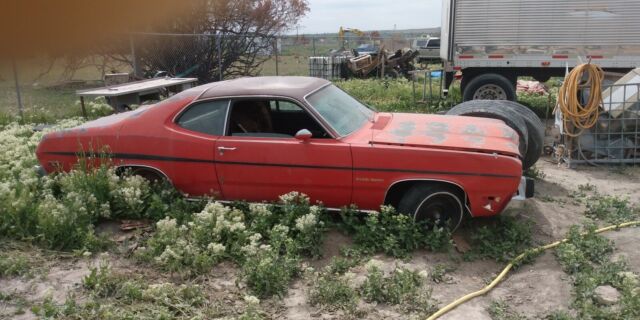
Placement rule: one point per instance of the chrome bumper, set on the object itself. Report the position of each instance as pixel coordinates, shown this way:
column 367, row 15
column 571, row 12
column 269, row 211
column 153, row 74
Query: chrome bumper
column 525, row 189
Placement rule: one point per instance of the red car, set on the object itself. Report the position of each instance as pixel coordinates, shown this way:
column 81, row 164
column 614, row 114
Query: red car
column 257, row 138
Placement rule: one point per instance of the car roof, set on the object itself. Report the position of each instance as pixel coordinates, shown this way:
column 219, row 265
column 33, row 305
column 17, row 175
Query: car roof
column 294, row 87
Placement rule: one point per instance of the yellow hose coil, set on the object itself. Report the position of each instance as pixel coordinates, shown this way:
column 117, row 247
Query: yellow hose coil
column 580, row 116
column 504, row 272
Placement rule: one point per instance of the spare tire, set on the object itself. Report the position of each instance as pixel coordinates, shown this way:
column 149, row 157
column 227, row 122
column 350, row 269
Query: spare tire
column 481, row 109
column 535, row 128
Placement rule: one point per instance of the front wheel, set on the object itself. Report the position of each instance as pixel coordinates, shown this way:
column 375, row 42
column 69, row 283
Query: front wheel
column 435, row 204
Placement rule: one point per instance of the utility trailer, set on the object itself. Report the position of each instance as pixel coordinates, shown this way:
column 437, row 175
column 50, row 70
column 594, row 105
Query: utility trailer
column 493, row 42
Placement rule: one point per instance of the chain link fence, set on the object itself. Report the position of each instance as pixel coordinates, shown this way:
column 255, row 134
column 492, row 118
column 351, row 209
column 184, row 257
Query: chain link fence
column 47, row 84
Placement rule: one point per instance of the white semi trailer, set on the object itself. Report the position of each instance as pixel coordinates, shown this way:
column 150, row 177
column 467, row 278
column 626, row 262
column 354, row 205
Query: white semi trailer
column 493, row 42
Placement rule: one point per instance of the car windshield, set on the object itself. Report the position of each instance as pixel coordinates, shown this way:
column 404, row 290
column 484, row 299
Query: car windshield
column 342, row 112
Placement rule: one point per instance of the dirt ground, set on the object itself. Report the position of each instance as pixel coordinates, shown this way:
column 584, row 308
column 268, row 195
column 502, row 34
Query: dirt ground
column 533, row 290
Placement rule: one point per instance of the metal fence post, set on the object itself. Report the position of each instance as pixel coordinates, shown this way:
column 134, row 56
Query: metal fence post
column 219, row 45
column 313, row 43
column 275, row 48
column 137, row 72
column 15, row 77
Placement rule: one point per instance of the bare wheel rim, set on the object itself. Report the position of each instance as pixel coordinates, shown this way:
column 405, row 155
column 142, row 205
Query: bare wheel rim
column 442, row 209
column 490, row 92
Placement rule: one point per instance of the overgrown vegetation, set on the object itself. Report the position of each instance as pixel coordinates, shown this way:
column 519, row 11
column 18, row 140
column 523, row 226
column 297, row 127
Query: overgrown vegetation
column 391, row 233
column 116, row 296
column 502, row 239
column 610, row 209
column 586, row 256
column 398, row 96
column 401, row 287
column 13, row 265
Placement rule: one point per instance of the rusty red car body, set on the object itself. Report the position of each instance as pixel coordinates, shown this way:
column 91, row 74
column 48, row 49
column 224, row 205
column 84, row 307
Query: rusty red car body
column 479, row 156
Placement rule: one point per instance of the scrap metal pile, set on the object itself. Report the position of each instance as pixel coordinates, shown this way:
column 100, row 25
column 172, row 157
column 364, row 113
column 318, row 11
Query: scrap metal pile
column 378, row 64
column 347, row 64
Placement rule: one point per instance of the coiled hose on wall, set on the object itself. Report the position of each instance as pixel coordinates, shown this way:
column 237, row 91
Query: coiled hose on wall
column 576, row 116
column 513, row 262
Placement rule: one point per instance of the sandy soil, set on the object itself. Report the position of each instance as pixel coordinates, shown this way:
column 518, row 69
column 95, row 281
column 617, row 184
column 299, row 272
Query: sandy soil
column 533, row 290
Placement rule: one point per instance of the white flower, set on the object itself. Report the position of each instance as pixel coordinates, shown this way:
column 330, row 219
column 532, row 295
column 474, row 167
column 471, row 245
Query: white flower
column 307, row 221
column 294, row 197
column 373, row 264
column 259, row 209
column 216, row 248
column 167, row 224
column 251, row 300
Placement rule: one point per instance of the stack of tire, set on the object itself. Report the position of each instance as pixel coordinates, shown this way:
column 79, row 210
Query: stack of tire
column 520, row 118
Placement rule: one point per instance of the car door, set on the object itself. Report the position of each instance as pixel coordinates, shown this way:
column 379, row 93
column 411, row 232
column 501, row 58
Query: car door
column 261, row 163
column 192, row 145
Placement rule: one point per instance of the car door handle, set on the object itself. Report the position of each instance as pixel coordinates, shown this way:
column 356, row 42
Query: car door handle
column 223, row 149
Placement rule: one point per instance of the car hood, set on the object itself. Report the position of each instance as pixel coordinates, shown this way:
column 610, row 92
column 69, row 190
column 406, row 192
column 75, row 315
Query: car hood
column 446, row 132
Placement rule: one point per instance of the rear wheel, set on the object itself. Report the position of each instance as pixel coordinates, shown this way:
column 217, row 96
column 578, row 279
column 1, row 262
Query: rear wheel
column 435, row 204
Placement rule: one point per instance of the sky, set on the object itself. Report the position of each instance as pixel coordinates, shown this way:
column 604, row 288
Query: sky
column 326, row 16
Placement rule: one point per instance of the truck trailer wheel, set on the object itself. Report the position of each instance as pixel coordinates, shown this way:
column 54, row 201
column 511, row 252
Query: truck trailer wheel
column 489, row 86
column 535, row 128
column 436, row 204
column 510, row 117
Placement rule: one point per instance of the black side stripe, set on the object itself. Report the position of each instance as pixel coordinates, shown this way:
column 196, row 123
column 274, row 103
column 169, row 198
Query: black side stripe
column 132, row 156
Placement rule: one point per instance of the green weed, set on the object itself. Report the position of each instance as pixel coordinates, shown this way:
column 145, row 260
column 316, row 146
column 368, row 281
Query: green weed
column 610, row 209
column 502, row 240
column 13, row 265
column 333, row 292
column 394, row 234
column 586, row 257
column 501, row 310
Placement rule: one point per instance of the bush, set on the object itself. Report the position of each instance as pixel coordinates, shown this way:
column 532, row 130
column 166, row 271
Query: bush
column 269, row 269
column 265, row 239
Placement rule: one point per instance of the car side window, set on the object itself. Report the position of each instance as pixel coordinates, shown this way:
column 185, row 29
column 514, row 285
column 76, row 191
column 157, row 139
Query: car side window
column 271, row 118
column 206, row 117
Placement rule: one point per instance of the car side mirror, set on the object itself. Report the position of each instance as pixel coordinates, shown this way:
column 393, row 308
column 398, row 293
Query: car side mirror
column 303, row 135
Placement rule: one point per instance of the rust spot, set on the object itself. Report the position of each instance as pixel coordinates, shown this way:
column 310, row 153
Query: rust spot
column 436, row 131
column 509, row 133
column 474, row 135
column 403, row 130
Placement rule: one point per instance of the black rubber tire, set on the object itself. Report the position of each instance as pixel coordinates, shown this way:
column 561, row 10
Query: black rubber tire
column 436, row 203
column 535, row 128
column 510, row 117
column 470, row 86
